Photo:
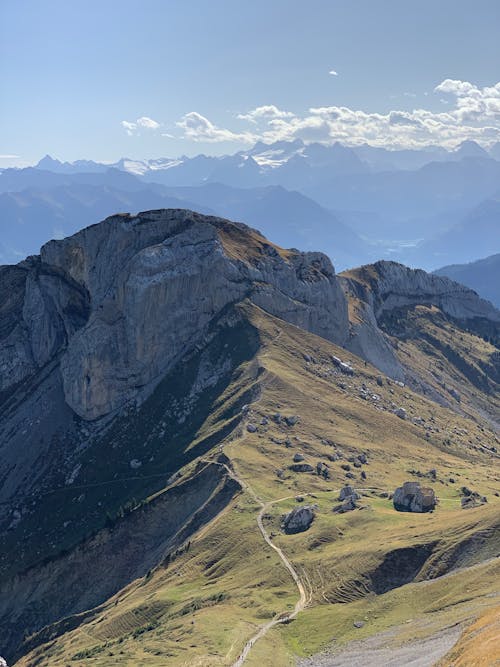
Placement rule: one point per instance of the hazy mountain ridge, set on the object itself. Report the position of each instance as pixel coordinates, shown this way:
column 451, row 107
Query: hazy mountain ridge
column 483, row 276
column 365, row 202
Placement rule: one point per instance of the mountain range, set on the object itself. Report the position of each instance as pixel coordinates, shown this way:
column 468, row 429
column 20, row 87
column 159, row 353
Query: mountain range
column 420, row 207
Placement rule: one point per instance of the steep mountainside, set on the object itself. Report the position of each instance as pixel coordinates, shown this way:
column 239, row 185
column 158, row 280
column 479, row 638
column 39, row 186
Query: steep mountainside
column 437, row 336
column 171, row 385
column 482, row 276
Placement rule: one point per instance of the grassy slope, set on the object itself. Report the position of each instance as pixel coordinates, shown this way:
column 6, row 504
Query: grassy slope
column 479, row 645
column 201, row 608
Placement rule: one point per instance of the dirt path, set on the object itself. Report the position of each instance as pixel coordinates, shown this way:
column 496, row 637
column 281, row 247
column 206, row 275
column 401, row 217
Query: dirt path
column 283, row 617
column 303, row 600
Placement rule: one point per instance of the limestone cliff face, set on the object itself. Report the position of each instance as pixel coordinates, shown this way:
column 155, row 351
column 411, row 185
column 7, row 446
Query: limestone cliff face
column 120, row 302
column 377, row 290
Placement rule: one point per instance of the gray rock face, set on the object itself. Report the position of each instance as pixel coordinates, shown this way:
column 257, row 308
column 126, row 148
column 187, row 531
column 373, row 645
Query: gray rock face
column 411, row 497
column 298, row 520
column 377, row 290
column 123, row 300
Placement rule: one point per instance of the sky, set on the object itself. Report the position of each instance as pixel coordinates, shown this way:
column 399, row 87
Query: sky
column 148, row 78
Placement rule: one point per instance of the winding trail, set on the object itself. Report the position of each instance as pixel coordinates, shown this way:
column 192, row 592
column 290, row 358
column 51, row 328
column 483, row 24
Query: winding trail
column 283, row 617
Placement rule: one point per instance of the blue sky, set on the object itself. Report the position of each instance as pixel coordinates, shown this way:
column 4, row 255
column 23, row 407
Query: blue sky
column 185, row 76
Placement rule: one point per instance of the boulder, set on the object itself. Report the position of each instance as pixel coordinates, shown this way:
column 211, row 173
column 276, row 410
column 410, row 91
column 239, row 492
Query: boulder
column 411, row 497
column 348, row 491
column 347, row 505
column 400, row 412
column 251, row 428
column 298, row 457
column 301, row 467
column 323, row 470
column 298, row 520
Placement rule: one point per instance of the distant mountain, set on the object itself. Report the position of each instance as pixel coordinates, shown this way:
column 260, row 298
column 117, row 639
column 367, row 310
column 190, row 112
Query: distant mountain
column 15, row 180
column 476, row 235
column 410, row 203
column 483, row 276
column 494, row 151
column 43, row 205
column 30, row 218
column 288, row 217
column 469, row 149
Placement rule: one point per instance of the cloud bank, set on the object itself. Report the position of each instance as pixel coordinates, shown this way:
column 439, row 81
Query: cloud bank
column 472, row 113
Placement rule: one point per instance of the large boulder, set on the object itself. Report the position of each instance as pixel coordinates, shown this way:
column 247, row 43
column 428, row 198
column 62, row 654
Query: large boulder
column 348, row 491
column 298, row 520
column 411, row 497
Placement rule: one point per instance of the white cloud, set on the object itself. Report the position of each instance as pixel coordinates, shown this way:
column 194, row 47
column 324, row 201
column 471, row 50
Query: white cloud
column 148, row 123
column 198, row 128
column 9, row 157
column 333, row 72
column 134, row 127
column 472, row 113
column 268, row 111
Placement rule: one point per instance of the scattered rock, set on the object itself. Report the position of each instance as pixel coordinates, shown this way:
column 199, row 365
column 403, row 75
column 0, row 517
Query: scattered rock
column 298, row 457
column 135, row 463
column 292, row 420
column 299, row 499
column 346, row 368
column 350, row 475
column 298, row 520
column 400, row 412
column 323, row 470
column 251, row 428
column 363, row 474
column 358, row 624
column 264, row 421
column 380, row 381
column 280, row 473
column 411, row 497
column 301, row 467
column 362, row 458
column 348, row 491
column 345, row 466
column 471, row 499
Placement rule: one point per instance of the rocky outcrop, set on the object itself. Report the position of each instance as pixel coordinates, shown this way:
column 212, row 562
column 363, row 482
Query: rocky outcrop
column 298, row 520
column 123, row 300
column 376, row 291
column 411, row 497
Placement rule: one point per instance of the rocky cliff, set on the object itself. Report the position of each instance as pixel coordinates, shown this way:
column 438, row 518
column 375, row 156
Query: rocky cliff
column 120, row 302
column 380, row 293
